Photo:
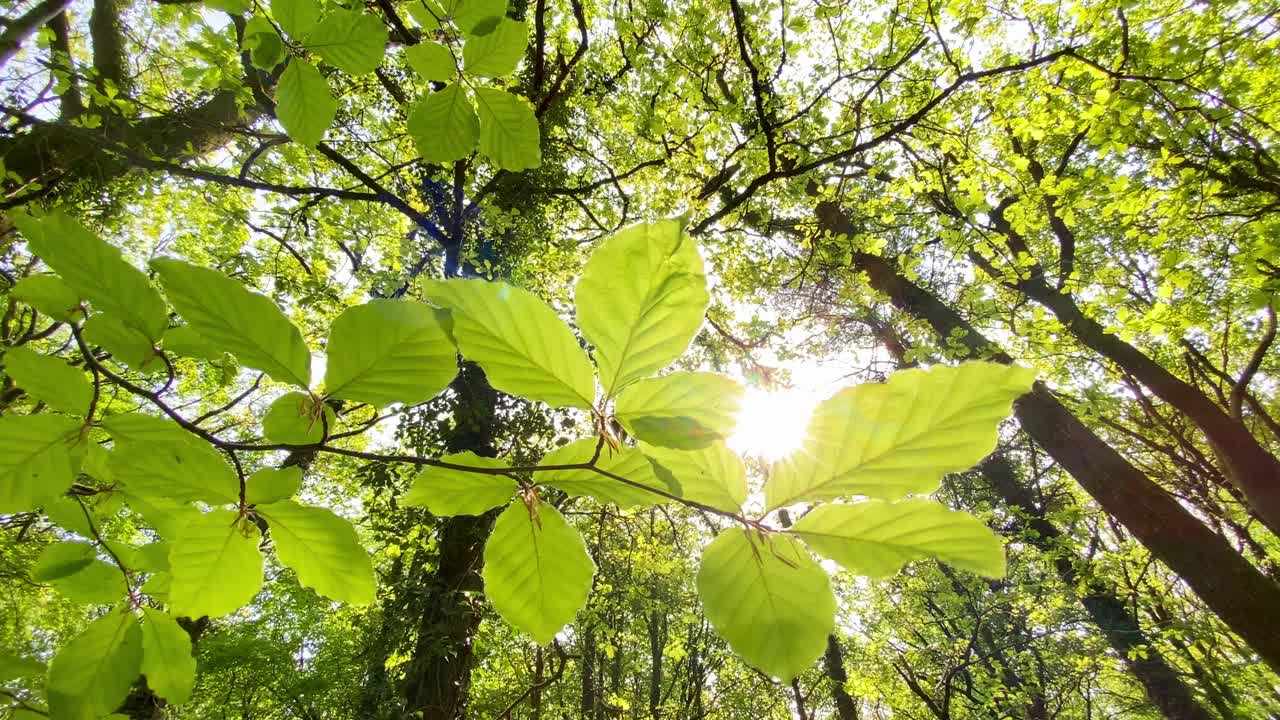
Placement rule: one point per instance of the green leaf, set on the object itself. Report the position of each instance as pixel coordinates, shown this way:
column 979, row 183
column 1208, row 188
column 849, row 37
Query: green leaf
column 537, row 572
column 509, row 133
column 457, row 492
column 769, row 599
column 167, row 516
column 626, row 462
column 266, row 49
column 91, row 675
column 187, row 342
column 158, row 586
column 640, row 301
column 713, row 475
column 523, row 346
column 154, row 457
column 154, row 557
column 431, row 60
column 886, row 440
column 294, row 419
column 50, row 380
column 35, row 464
column 125, row 344
column 216, row 566
column 470, row 14
column 62, row 559
column 876, row 538
column 270, row 485
column 497, row 52
column 296, row 17
column 684, row 410
column 97, row 583
column 49, row 295
column 354, row 42
column 166, row 657
column 389, row 351
column 322, row 549
column 426, row 13
column 95, row 270
column 245, row 323
column 444, row 125
column 13, row 667
column 304, row 104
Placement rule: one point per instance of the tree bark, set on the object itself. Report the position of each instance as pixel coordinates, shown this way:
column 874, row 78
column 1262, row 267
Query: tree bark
column 833, row 661
column 1235, row 590
column 22, row 27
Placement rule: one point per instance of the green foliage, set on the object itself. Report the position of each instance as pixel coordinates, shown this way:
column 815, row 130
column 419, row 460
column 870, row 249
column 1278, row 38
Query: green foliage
column 640, row 301
column 508, row 130
column 445, row 491
column 713, row 475
column 305, row 105
column 90, row 676
column 444, row 125
column 244, row 323
column 354, row 42
column 296, row 17
column 215, row 564
column 626, row 462
column 388, row 351
column 683, row 410
column 49, row 380
column 166, row 657
column 95, row 270
column 875, row 538
column 768, row 598
column 50, row 295
column 62, row 559
column 322, row 549
column 297, row 418
column 270, row 485
column 536, row 569
column 157, row 459
column 888, row 440
column 35, row 465
column 434, row 61
column 495, row 53
column 523, row 346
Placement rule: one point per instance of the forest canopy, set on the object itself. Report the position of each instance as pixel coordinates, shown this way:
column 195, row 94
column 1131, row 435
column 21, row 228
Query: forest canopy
column 594, row 359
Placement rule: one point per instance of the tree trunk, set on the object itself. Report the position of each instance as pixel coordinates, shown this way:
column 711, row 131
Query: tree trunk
column 1240, row 595
column 833, row 660
column 22, row 27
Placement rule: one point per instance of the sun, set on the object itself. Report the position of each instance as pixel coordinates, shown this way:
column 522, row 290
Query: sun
column 771, row 425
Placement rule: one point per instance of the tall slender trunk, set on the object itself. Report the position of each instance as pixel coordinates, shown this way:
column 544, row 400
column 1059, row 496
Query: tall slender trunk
column 438, row 681
column 1236, row 591
column 833, row 663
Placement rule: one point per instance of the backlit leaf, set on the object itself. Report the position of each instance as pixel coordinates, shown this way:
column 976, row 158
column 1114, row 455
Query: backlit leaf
column 322, row 549
column 154, row 457
column 389, row 351
column 431, row 60
column 640, row 301
column 625, row 462
column 50, row 295
column 166, row 657
column 270, row 485
column 497, row 52
column 354, row 42
column 295, row 419
column 91, row 675
column 713, row 475
column 49, row 379
column 215, row 565
column 35, row 465
column 887, row 440
column 457, row 492
column 685, row 410
column 444, row 125
column 537, row 572
column 509, row 134
column 523, row 346
column 296, row 17
column 304, row 104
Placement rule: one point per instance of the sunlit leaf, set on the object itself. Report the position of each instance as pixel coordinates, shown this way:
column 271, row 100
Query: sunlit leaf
column 91, row 675
column 216, row 566
column 444, row 125
column 685, row 410
column 497, row 52
column 354, row 42
column 35, row 464
column 154, row 457
column 389, row 351
column 298, row 418
column 270, row 485
column 625, row 462
column 456, row 492
column 713, row 475
column 166, row 657
column 49, row 379
column 304, row 104
column 322, row 549
column 432, row 60
column 509, row 134
column 50, row 295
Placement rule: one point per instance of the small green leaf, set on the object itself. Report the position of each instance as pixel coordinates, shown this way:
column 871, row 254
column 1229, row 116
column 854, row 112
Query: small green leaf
column 154, row 557
column 472, row 14
column 523, row 346
column 97, row 583
column 625, row 462
column 294, row 419
column 35, row 465
column 444, row 125
column 13, row 667
column 245, row 323
column 537, row 572
column 166, row 657
column 187, row 342
column 95, row 270
column 684, row 410
column 216, row 566
column 62, row 559
column 156, row 458
column 270, row 485
column 431, row 60
column 230, row 7
column 125, row 344
column 713, row 475
column 876, row 538
column 769, row 599
column 640, row 301
column 497, row 52
column 265, row 48
column 305, row 105
column 886, row 440
column 426, row 13
column 51, row 296
column 322, row 549
column 509, row 134
column 91, row 675
column 354, row 42
column 389, row 351
column 49, row 380
column 457, row 492
column 296, row 17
